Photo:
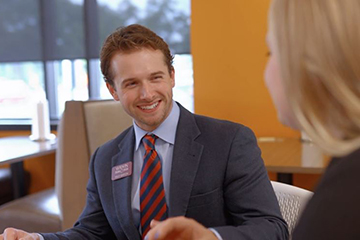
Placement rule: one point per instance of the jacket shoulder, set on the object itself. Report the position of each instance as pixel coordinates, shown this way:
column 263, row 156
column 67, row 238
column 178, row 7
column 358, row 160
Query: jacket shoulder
column 111, row 146
column 221, row 126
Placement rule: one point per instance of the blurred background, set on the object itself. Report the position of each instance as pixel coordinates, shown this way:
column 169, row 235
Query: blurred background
column 53, row 46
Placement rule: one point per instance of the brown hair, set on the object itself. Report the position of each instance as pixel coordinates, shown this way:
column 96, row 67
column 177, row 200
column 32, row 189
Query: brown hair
column 129, row 39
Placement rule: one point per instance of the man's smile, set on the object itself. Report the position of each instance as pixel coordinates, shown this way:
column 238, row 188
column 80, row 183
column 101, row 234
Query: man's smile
column 150, row 107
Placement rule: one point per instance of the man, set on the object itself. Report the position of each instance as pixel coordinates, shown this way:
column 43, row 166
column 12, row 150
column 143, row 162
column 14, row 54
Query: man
column 170, row 162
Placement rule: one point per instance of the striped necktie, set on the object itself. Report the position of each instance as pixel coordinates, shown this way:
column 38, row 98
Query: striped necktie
column 152, row 194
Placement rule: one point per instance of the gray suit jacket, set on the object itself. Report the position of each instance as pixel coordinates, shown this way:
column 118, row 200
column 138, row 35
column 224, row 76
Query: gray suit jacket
column 217, row 178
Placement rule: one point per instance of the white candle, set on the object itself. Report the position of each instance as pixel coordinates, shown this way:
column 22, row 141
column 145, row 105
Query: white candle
column 40, row 128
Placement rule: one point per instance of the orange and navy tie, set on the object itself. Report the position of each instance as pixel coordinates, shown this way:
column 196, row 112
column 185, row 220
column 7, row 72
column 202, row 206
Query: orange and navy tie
column 152, row 194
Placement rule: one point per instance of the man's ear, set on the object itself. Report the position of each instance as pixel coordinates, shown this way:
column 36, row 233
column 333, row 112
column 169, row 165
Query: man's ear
column 112, row 91
column 172, row 77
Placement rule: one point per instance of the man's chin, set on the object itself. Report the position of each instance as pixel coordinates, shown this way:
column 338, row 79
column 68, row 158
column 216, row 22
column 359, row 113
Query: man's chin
column 147, row 125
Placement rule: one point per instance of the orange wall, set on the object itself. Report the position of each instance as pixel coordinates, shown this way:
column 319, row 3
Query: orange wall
column 229, row 55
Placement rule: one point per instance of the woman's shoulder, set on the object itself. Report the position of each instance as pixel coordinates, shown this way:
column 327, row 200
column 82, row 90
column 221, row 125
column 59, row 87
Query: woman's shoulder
column 333, row 211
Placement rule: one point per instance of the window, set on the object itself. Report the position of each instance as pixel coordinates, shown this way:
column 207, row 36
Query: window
column 20, row 83
column 53, row 47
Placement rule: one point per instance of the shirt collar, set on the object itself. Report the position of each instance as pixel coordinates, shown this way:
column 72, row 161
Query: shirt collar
column 166, row 131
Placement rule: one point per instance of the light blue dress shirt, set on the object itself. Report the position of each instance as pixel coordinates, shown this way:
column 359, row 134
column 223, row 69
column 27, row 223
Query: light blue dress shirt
column 164, row 146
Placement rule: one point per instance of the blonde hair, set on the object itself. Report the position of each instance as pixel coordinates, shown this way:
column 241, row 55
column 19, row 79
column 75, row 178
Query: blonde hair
column 318, row 45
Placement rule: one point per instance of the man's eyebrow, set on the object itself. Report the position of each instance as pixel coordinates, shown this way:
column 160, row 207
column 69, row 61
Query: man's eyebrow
column 134, row 78
column 156, row 73
column 127, row 80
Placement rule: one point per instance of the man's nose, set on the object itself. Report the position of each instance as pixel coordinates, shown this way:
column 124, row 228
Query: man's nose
column 147, row 91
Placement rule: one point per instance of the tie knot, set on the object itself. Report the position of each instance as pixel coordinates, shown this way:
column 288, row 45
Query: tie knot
column 149, row 142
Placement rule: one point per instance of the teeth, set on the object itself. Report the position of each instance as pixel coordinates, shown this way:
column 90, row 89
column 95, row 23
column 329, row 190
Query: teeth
column 149, row 107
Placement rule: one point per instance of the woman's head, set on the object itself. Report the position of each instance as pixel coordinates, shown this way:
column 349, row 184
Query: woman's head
column 316, row 44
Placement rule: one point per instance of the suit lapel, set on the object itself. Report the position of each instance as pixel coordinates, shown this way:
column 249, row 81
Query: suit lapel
column 186, row 158
column 122, row 187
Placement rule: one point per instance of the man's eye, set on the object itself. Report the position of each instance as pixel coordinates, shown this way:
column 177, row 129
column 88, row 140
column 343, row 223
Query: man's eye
column 130, row 84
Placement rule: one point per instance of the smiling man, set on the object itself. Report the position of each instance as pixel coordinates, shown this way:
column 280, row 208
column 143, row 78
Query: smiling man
column 145, row 92
column 170, row 163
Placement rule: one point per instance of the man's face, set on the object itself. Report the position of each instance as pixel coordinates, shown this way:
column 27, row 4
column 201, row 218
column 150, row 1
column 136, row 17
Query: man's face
column 143, row 85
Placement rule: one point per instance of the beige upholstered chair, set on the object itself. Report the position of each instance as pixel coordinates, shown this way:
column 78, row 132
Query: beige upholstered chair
column 292, row 200
column 83, row 127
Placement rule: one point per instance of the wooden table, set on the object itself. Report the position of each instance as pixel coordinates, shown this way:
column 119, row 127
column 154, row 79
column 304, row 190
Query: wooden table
column 14, row 150
column 287, row 156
